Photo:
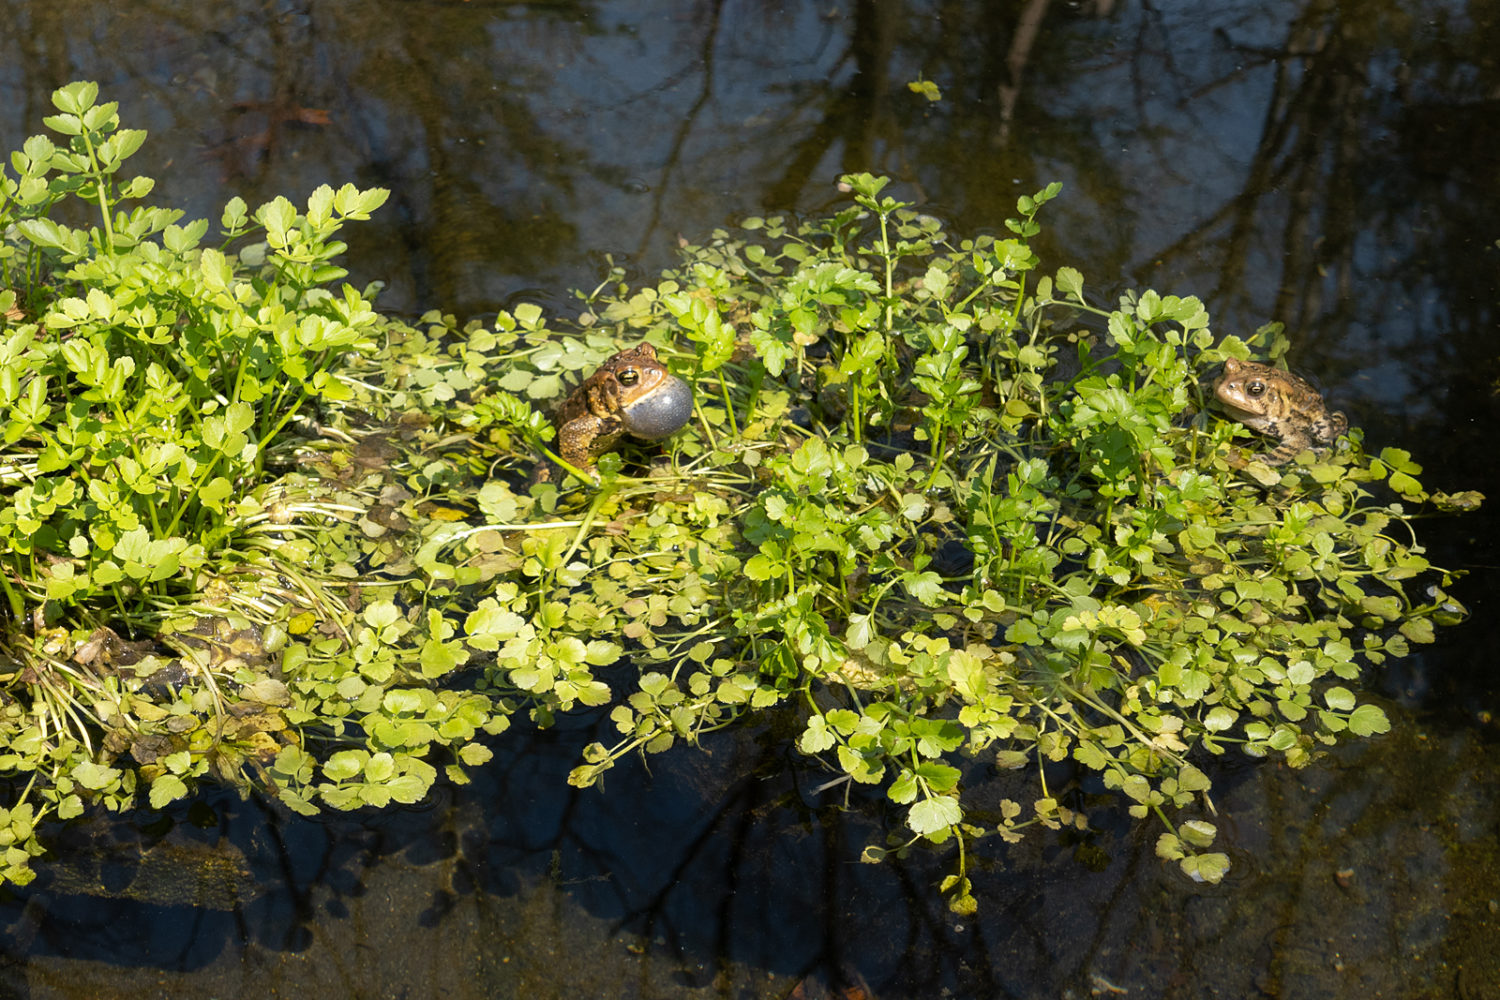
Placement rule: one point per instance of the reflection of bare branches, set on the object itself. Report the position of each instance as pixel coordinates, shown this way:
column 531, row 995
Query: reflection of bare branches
column 1309, row 104
column 1028, row 26
column 1328, row 206
column 672, row 160
column 1023, row 39
column 854, row 114
column 36, row 30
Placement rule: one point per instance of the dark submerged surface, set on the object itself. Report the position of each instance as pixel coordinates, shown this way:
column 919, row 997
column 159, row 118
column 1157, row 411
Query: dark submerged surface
column 1330, row 165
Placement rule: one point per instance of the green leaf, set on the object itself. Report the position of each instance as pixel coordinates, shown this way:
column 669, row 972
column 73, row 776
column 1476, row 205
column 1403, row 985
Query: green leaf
column 1197, row 832
column 320, row 205
column 602, row 652
column 439, row 658
column 1210, row 868
column 238, row 417
column 1219, row 719
column 1191, row 779
column 408, row 789
column 914, row 508
column 489, row 625
column 345, row 764
column 904, row 789
column 296, row 802
column 861, row 769
column 938, row 777
column 528, row 314
column 66, row 124
column 863, row 354
column 926, row 88
column 167, row 788
column 76, row 98
column 926, row 587
column 1368, row 720
column 759, row 568
column 277, row 216
column 936, row 815
column 380, row 767
column 1418, row 630
column 474, row 754
column 234, row 214
column 341, row 797
column 1070, row 283
column 213, row 493
column 43, row 232
column 1091, row 755
column 122, row 145
column 403, row 701
column 1399, row 459
column 816, row 738
column 93, row 776
column 1339, row 698
column 379, row 614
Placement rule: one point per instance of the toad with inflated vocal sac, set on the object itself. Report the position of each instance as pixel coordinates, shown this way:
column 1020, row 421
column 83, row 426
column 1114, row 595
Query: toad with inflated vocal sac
column 1279, row 404
column 631, row 393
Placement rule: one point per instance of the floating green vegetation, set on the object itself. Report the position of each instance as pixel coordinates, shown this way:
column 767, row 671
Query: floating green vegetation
column 932, row 499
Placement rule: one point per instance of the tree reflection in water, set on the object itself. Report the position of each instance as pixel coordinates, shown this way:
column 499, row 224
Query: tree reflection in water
column 1327, row 164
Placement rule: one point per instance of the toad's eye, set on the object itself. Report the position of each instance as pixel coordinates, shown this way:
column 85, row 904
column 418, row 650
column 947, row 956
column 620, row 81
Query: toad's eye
column 629, row 377
column 1255, row 388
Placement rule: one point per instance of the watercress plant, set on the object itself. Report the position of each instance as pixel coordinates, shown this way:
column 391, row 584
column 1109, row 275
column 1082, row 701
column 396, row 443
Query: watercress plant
column 940, row 505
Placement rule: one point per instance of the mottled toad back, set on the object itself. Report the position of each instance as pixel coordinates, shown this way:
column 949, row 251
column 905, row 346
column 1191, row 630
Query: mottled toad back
column 631, row 393
column 1277, row 403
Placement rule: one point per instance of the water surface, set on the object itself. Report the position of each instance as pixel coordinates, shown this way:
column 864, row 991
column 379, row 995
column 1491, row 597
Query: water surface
column 1330, row 165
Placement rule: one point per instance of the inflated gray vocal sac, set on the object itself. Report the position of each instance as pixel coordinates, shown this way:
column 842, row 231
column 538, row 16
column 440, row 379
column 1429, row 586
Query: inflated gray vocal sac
column 660, row 414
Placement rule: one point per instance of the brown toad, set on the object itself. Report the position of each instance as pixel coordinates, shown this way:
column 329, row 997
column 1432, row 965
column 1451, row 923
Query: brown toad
column 631, row 393
column 1279, row 404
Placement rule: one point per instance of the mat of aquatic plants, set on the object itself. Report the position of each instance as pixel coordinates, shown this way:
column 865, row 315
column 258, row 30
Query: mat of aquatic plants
column 933, row 495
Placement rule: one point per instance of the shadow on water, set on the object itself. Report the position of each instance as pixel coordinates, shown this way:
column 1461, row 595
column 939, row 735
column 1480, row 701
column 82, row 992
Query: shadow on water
column 1331, row 165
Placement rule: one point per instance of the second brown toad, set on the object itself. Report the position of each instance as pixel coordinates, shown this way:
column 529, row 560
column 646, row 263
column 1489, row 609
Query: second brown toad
column 1279, row 404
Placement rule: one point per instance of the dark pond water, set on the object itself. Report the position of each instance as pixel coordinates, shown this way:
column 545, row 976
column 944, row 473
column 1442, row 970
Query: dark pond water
column 1334, row 165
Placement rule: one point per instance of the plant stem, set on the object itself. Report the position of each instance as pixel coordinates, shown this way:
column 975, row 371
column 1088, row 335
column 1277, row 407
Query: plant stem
column 98, row 175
